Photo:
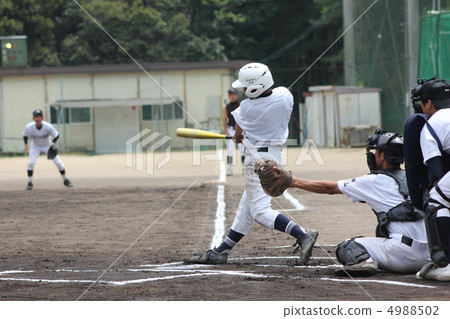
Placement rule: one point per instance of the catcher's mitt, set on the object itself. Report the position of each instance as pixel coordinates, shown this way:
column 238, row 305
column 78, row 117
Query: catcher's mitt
column 52, row 152
column 273, row 181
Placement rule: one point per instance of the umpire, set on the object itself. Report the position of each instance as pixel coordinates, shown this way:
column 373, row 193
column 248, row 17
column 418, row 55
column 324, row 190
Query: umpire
column 229, row 124
column 427, row 159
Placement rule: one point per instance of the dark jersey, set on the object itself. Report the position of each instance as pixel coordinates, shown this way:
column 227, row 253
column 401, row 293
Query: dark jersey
column 230, row 108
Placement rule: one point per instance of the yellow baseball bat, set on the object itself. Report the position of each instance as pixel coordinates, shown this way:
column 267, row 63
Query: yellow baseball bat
column 201, row 134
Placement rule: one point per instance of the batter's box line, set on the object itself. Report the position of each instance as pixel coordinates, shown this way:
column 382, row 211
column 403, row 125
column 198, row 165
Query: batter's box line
column 144, row 280
column 198, row 272
column 290, row 246
column 386, row 282
column 279, row 257
column 7, row 272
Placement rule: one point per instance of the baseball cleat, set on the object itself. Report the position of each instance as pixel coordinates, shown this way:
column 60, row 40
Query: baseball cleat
column 67, row 183
column 229, row 171
column 29, row 186
column 362, row 269
column 306, row 243
column 210, row 257
column 431, row 271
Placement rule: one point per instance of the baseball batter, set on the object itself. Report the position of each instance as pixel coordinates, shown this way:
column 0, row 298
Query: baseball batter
column 432, row 98
column 262, row 125
column 40, row 132
column 401, row 243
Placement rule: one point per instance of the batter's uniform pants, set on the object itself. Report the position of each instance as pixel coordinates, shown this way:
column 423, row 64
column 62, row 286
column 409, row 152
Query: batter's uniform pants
column 35, row 151
column 396, row 255
column 231, row 145
column 255, row 204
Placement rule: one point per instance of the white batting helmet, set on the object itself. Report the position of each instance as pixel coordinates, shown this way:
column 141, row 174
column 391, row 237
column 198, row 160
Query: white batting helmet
column 256, row 77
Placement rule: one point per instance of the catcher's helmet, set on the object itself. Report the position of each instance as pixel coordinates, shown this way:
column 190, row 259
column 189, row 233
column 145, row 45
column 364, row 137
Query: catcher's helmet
column 256, row 77
column 436, row 89
column 391, row 144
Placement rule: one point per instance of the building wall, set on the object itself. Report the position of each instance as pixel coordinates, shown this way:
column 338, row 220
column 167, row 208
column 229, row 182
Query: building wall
column 20, row 97
column 202, row 93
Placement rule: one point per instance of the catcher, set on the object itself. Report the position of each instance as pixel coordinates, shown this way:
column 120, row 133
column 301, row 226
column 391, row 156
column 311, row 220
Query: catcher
column 401, row 243
column 263, row 120
column 40, row 131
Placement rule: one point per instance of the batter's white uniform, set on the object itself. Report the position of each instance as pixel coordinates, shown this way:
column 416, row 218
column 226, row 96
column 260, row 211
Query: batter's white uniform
column 264, row 121
column 440, row 122
column 231, row 145
column 41, row 142
column 381, row 193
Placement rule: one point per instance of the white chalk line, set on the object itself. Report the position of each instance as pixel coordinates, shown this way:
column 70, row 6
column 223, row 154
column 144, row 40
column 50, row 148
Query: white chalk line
column 219, row 223
column 386, row 282
column 298, row 206
column 279, row 257
column 290, row 210
column 290, row 246
column 15, row 272
column 189, row 271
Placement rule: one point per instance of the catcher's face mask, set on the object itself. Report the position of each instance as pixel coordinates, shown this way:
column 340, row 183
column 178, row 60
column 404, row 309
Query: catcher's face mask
column 372, row 143
column 416, row 97
column 391, row 144
column 436, row 89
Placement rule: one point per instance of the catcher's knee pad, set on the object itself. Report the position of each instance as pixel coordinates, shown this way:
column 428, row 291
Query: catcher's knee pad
column 437, row 249
column 350, row 252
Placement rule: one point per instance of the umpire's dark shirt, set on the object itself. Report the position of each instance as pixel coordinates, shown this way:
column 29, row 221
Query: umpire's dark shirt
column 230, row 108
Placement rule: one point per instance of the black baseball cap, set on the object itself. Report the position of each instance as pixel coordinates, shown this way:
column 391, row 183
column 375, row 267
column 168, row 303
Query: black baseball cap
column 232, row 91
column 38, row 112
column 438, row 91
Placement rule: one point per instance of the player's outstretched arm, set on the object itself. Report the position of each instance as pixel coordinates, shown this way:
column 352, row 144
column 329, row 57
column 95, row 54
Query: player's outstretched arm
column 316, row 186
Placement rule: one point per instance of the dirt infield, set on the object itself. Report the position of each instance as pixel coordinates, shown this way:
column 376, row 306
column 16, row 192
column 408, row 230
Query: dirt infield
column 122, row 234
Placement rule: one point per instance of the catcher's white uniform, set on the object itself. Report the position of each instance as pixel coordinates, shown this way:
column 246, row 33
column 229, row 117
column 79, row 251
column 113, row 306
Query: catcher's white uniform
column 381, row 193
column 41, row 142
column 265, row 124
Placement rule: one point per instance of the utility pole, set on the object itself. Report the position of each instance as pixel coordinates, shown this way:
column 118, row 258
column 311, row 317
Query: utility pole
column 412, row 35
column 349, row 43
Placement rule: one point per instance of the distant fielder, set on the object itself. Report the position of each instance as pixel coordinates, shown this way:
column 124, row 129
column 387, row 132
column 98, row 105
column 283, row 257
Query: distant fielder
column 40, row 131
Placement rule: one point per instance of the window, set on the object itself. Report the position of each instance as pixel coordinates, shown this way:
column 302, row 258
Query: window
column 71, row 115
column 157, row 112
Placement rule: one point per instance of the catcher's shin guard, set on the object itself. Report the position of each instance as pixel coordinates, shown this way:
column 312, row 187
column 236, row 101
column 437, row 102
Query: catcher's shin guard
column 437, row 252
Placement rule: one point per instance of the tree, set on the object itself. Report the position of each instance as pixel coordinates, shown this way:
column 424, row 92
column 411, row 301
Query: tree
column 35, row 19
column 66, row 32
column 150, row 31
